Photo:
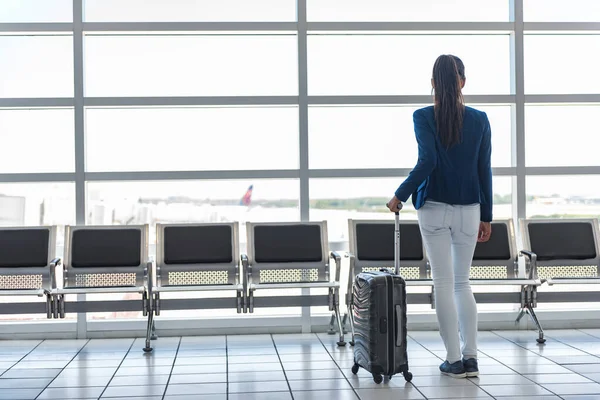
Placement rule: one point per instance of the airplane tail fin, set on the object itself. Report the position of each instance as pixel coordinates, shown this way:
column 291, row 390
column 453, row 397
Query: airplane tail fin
column 247, row 199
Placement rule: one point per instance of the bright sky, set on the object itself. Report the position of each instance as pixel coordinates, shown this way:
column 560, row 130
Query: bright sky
column 266, row 137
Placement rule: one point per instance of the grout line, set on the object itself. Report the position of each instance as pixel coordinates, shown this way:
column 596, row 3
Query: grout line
column 172, row 367
column 21, row 359
column 63, row 368
column 119, row 366
column 227, row 365
column 282, row 368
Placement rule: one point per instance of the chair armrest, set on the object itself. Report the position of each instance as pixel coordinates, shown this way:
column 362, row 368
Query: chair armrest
column 532, row 273
column 338, row 264
column 53, row 264
column 245, row 271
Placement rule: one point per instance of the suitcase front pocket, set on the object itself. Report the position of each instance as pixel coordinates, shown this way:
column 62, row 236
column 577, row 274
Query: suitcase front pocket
column 399, row 325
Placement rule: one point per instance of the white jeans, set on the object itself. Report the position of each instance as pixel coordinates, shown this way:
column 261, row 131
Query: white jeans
column 450, row 236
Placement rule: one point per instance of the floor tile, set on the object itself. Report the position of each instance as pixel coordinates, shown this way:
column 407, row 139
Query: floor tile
column 513, row 379
column 558, row 378
column 261, row 396
column 253, row 387
column 263, row 376
column 206, row 388
column 71, row 393
column 133, row 371
column 130, row 391
column 441, row 392
column 320, row 384
column 199, row 378
column 33, row 383
column 19, row 394
column 515, row 390
column 198, row 397
column 574, row 388
column 314, row 374
column 390, row 394
column 32, row 373
column 139, row 380
column 326, row 394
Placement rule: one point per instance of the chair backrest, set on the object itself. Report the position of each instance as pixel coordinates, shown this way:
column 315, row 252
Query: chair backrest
column 281, row 252
column 497, row 258
column 372, row 244
column 105, row 256
column 25, row 256
column 565, row 248
column 197, row 254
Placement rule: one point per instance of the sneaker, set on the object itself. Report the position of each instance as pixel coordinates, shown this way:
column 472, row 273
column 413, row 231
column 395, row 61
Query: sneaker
column 455, row 370
column 471, row 367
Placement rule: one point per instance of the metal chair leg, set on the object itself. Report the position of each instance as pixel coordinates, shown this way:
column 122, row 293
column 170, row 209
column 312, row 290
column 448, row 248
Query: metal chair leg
column 148, row 347
column 351, row 326
column 153, row 335
column 520, row 316
column 341, row 342
column 531, row 313
column 344, row 321
column 331, row 330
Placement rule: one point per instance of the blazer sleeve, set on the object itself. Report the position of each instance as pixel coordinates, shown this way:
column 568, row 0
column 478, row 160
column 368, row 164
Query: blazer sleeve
column 427, row 160
column 484, row 167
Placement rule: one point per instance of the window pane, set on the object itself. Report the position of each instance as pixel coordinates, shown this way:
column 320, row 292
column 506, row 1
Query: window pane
column 402, row 64
column 562, row 64
column 561, row 11
column 362, row 136
column 130, row 203
column 546, row 131
column 423, row 10
column 36, row 11
column 177, row 139
column 40, row 66
column 208, row 65
column 569, row 196
column 189, row 10
column 35, row 204
column 36, row 140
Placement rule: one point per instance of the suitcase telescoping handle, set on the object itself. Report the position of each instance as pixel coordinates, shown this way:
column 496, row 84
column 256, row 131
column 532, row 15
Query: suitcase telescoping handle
column 397, row 239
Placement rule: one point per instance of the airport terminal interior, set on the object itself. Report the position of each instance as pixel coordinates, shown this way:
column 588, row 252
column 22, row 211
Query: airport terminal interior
column 189, row 190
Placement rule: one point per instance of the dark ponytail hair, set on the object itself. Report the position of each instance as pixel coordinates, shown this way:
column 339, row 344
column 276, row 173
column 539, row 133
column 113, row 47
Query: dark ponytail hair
column 448, row 74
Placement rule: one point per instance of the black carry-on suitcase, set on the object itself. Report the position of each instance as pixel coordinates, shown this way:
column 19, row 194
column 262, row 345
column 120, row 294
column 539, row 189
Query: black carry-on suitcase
column 379, row 312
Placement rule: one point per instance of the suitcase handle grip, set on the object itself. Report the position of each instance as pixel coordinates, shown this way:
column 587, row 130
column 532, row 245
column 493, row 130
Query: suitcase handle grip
column 398, row 320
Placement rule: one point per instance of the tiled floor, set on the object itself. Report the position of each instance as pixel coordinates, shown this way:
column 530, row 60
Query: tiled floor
column 300, row 367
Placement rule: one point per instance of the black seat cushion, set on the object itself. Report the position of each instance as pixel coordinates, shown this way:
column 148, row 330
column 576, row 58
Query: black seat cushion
column 497, row 248
column 106, row 248
column 198, row 244
column 287, row 243
column 24, row 248
column 562, row 240
column 375, row 242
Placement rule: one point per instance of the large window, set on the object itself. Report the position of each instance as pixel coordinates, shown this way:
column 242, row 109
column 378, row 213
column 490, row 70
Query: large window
column 191, row 65
column 562, row 135
column 193, row 138
column 383, row 136
column 147, row 111
column 40, row 66
column 37, row 140
column 394, row 64
column 422, row 10
column 574, row 71
column 188, row 10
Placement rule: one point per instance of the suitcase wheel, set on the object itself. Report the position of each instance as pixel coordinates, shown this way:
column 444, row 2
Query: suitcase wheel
column 407, row 376
column 377, row 378
column 355, row 369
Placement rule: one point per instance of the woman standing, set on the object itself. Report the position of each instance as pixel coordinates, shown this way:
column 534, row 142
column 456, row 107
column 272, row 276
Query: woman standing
column 451, row 188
